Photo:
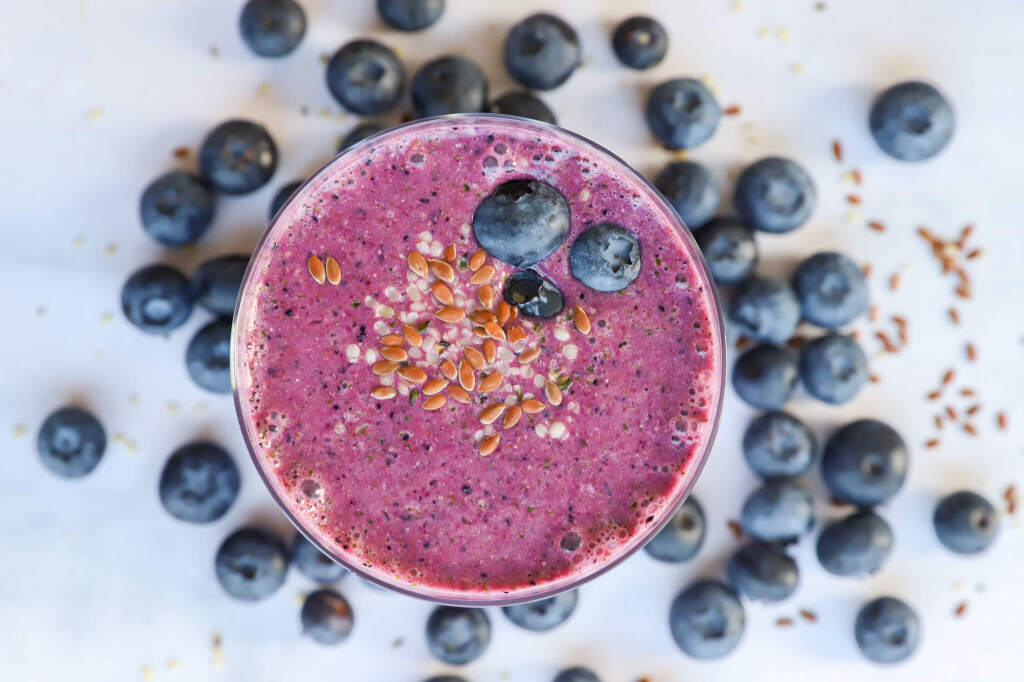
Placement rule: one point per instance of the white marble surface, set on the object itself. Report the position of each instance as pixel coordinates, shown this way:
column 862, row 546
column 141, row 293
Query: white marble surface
column 98, row 583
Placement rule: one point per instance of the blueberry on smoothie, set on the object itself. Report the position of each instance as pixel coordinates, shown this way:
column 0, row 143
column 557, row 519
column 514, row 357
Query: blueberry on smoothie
column 764, row 309
column 366, row 77
column 251, row 564
column 177, row 208
column 833, row 368
column 458, row 635
column 358, row 134
column 831, row 289
column 965, row 522
column 778, row 445
column 640, row 42
column 775, row 195
column 216, row 282
column 521, row 222
column 778, row 511
column 887, row 630
column 605, row 257
column 707, row 620
column 682, row 536
column 199, row 483
column 544, row 614
column 449, row 85
column 272, row 28
column 313, row 563
column 576, row 674
column 682, row 113
column 542, row 51
column 729, row 249
column 238, row 157
column 912, row 121
column 533, row 295
column 765, row 377
column 71, row 442
column 326, row 617
column 855, row 546
column 865, row 462
column 157, row 299
column 282, row 196
column 410, row 15
column 525, row 104
column 763, row 572
column 691, row 190
column 208, row 356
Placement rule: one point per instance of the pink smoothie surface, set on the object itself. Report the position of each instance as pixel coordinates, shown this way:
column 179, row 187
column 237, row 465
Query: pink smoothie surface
column 403, row 492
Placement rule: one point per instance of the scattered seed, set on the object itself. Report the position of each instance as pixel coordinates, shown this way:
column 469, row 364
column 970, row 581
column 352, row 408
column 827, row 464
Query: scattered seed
column 837, row 150
column 1010, row 495
column 449, row 253
column 874, row 378
column 735, row 528
column 951, row 413
column 947, row 377
column 450, row 314
column 531, row 406
column 1001, row 421
column 515, row 334
column 485, row 294
column 965, row 234
column 316, row 269
column 495, row 331
column 960, row 609
column 480, row 332
column 732, row 110
column 417, row 263
column 481, row 316
column 504, row 313
column 887, row 343
column 894, row 281
column 954, row 316
column 855, row 174
column 442, row 293
column 435, row 402
column 414, row 375
column 512, row 417
column 855, row 200
column 934, row 395
column 866, row 268
column 384, row 368
column 489, row 444
column 383, row 393
column 466, row 376
column 580, row 320
column 528, row 356
column 490, row 414
column 784, row 622
column 482, row 276
column 973, row 409
column 967, row 392
column 459, row 394
column 742, row 342
column 394, row 354
column 412, row 336
column 475, row 357
column 876, row 226
column 442, row 270
column 969, row 428
column 434, row 386
column 933, row 443
column 476, row 261
column 972, row 354
column 491, row 382
column 393, row 340
column 553, row 393
column 975, row 253
column 938, row 421
column 808, row 615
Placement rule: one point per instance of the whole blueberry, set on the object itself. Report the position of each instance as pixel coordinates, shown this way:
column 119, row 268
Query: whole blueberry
column 865, row 462
column 682, row 536
column 326, row 617
column 542, row 51
column 887, row 630
column 208, row 356
column 640, row 42
column 358, row 134
column 238, row 157
column 966, row 522
column 691, row 190
column 525, row 104
column 729, row 249
column 216, row 282
column 831, row 289
column 707, row 620
column 912, row 121
column 366, row 77
column 521, row 222
column 855, row 546
column 282, row 196
column 71, row 442
column 605, row 257
column 157, row 299
column 682, row 113
column 778, row 445
column 775, row 195
column 251, row 564
column 313, row 563
column 533, row 295
column 764, row 377
column 778, row 511
column 544, row 614
column 177, row 208
column 449, row 85
column 410, row 15
column 833, row 368
column 763, row 572
column 272, row 28
column 764, row 309
column 576, row 674
column 199, row 482
column 458, row 635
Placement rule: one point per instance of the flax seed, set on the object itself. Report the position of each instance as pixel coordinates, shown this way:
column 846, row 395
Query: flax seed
column 480, row 332
column 514, row 314
column 490, row 351
column 489, row 444
column 732, row 110
column 417, row 263
column 384, row 368
column 972, row 354
column 316, row 269
column 1001, row 421
column 973, row 410
column 960, row 610
column 495, row 331
column 887, row 343
column 482, row 276
column 580, row 320
column 450, row 314
column 947, row 377
column 894, row 281
column 954, row 316
column 412, row 336
column 383, row 393
column 414, row 375
column 858, row 179
column 393, row 340
column 1010, row 495
column 459, row 394
column 951, row 413
column 442, row 293
column 965, row 234
column 435, row 402
column 443, row 271
column 515, row 334
column 876, row 226
column 934, row 395
column 449, row 253
column 475, row 357
column 528, row 356
column 784, row 622
column 333, row 271
column 531, row 406
column 837, row 150
column 874, row 378
column 476, row 261
column 490, row 414
column 448, row 369
column 394, row 354
column 434, row 386
column 853, row 199
column 491, row 382
column 485, row 294
column 481, row 316
column 968, row 392
column 808, row 615
column 504, row 312
column 931, row 444
column 969, row 428
column 938, row 422
column 553, row 393
column 466, row 376
column 976, row 253
column 512, row 417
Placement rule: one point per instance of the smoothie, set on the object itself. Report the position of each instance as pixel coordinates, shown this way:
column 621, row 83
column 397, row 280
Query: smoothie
column 417, row 423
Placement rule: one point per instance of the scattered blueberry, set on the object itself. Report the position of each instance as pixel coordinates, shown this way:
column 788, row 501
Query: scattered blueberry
column 326, row 617
column 778, row 511
column 216, row 282
column 707, row 619
column 177, row 208
column 691, row 190
column 887, row 630
column 525, row 104
column 640, row 42
column 272, row 28
column 199, row 482
column 313, row 563
column 729, row 249
column 831, row 289
column 282, row 196
column 542, row 51
column 544, row 614
column 682, row 536
column 865, row 462
column 605, row 257
column 855, row 546
column 778, row 445
column 912, row 121
column 366, row 77
column 764, row 377
column 763, row 572
column 358, row 134
column 251, row 564
column 833, row 368
column 682, row 113
column 458, row 635
column 157, row 299
column 449, row 85
column 71, row 442
column 208, row 356
column 966, row 522
column 577, row 674
column 521, row 222
column 533, row 295
column 775, row 195
column 764, row 309
column 238, row 157
column 410, row 15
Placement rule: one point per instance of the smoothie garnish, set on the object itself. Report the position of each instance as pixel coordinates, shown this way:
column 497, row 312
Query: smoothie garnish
column 333, row 271
column 435, row 402
column 489, row 444
column 316, row 269
column 580, row 320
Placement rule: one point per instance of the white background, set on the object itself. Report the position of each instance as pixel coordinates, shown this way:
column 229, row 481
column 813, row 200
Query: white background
column 97, row 582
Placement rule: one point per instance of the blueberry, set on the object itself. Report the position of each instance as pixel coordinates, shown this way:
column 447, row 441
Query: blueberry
column 682, row 536
column 775, row 195
column 216, row 282
column 533, row 295
column 764, row 309
column 358, row 134
column 521, row 222
column 208, row 356
column 912, row 121
column 282, row 196
column 887, row 630
column 410, row 15
column 544, row 614
column 71, row 442
column 313, row 563
column 458, row 635
column 449, row 85
column 366, row 77
column 763, row 572
column 605, row 257
column 326, row 617
column 251, row 564
column 764, row 377
column 157, row 299
column 199, row 483
column 272, row 28
column 778, row 445
column 238, row 157
column 682, row 113
column 865, row 462
column 542, row 51
column 831, row 289
column 707, row 620
column 966, row 522
column 729, row 249
column 525, row 104
column 833, row 368
column 691, row 190
column 778, row 511
column 855, row 546
column 640, row 42
column 177, row 208
column 576, row 674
